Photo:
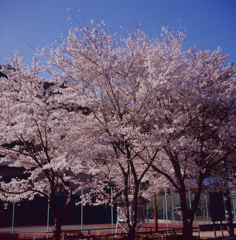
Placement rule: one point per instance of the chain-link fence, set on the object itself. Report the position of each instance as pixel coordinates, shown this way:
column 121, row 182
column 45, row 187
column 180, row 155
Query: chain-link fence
column 168, row 208
column 168, row 205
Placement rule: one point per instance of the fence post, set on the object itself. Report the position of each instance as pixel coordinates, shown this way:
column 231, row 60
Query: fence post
column 111, row 211
column 81, row 213
column 234, row 205
column 166, row 212
column 48, row 211
column 155, row 213
column 173, row 211
column 13, row 218
column 189, row 198
column 206, row 207
column 163, row 208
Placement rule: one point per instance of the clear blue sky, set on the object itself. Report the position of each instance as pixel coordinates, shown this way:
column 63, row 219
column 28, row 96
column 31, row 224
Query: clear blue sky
column 29, row 23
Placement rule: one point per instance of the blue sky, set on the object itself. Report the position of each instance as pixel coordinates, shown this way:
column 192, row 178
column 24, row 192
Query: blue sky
column 30, row 23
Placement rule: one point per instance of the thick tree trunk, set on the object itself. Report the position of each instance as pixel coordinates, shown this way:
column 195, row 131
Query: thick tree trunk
column 187, row 228
column 131, row 233
column 187, row 217
column 57, row 229
column 58, row 218
column 131, row 220
column 188, row 213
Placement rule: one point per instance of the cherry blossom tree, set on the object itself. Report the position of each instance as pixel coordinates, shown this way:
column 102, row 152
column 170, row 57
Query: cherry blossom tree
column 112, row 79
column 197, row 119
column 40, row 134
column 152, row 103
column 198, row 115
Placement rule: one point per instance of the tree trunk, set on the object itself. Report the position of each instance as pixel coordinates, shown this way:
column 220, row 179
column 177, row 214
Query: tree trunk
column 188, row 213
column 187, row 228
column 57, row 229
column 131, row 233
column 187, row 217
column 135, row 206
column 58, row 218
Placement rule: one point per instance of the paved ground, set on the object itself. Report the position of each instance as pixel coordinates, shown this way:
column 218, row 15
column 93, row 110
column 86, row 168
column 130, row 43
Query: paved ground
column 95, row 229
column 210, row 234
column 100, row 229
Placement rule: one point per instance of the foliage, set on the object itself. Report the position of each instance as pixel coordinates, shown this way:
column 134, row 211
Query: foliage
column 40, row 134
column 152, row 107
column 152, row 104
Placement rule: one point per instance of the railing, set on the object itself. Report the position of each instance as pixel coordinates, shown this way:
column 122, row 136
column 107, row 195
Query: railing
column 89, row 234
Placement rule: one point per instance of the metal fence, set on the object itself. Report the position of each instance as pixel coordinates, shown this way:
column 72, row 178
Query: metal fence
column 168, row 205
column 36, row 212
column 168, row 208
